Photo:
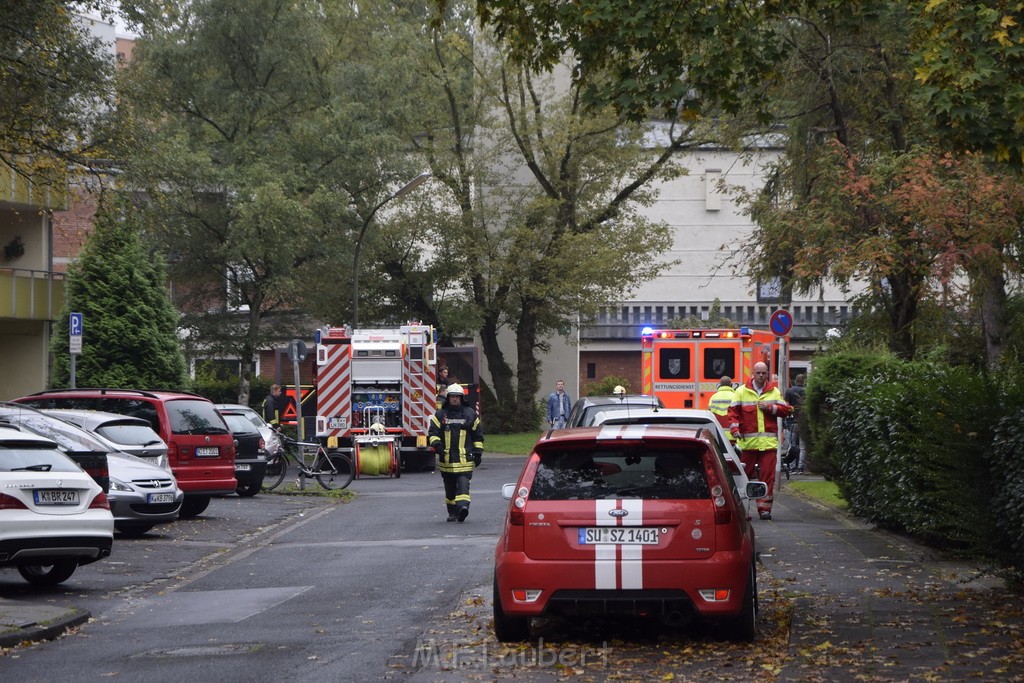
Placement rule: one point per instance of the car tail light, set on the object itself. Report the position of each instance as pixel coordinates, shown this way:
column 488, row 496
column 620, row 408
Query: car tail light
column 723, row 514
column 100, row 502
column 516, row 515
column 715, row 594
column 11, row 503
column 174, row 452
column 526, row 594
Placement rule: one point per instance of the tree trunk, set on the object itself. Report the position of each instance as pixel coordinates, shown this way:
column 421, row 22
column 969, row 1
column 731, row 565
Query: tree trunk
column 993, row 315
column 528, row 368
column 498, row 416
column 902, row 315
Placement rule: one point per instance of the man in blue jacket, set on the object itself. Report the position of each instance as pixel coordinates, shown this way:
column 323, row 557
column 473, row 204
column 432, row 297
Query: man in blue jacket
column 559, row 405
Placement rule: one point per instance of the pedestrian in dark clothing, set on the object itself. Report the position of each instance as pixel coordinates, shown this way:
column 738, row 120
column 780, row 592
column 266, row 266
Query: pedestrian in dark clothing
column 458, row 439
column 795, row 397
column 273, row 405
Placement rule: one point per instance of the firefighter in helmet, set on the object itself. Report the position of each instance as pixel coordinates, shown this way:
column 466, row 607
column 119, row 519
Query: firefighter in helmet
column 458, row 439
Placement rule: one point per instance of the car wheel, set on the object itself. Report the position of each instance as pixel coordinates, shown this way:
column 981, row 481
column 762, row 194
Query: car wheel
column 133, row 530
column 193, row 506
column 48, row 575
column 248, row 490
column 744, row 627
column 509, row 629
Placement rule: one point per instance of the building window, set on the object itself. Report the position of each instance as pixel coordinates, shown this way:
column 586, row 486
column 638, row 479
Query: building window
column 591, row 370
column 712, row 194
column 770, row 291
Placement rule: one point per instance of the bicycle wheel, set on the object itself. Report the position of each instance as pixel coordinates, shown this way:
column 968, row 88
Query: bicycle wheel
column 277, row 470
column 334, row 470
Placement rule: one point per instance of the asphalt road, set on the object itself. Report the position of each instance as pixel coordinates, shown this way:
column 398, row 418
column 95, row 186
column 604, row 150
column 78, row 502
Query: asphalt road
column 275, row 587
column 382, row 588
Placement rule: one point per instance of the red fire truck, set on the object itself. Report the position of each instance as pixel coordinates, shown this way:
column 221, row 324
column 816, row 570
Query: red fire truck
column 377, row 382
column 683, row 367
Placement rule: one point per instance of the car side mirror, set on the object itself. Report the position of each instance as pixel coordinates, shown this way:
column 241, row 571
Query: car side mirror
column 508, row 490
column 756, row 489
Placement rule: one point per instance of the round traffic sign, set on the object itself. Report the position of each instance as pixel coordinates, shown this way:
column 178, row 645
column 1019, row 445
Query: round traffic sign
column 781, row 322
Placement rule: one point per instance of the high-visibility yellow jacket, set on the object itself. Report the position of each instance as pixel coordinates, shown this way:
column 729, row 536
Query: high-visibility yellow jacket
column 719, row 405
column 455, row 432
column 754, row 428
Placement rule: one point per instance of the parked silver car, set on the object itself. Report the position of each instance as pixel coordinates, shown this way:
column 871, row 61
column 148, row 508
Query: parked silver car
column 133, row 435
column 141, row 494
column 271, row 441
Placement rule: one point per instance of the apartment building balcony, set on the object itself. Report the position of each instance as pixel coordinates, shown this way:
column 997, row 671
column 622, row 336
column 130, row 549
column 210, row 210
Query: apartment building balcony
column 30, row 294
column 624, row 322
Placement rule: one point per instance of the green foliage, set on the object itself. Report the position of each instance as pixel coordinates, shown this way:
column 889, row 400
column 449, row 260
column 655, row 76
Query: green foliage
column 520, row 443
column 225, row 389
column 130, row 326
column 927, row 448
column 967, row 59
column 832, row 371
column 604, row 386
column 50, row 67
column 825, row 491
column 631, row 55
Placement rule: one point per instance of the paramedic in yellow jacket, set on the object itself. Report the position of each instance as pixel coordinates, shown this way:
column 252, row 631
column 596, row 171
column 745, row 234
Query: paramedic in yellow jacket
column 752, row 418
column 720, row 402
column 456, row 436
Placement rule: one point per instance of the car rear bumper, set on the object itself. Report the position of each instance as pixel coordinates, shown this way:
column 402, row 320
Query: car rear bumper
column 134, row 507
column 665, row 586
column 83, row 548
column 223, row 484
column 254, row 475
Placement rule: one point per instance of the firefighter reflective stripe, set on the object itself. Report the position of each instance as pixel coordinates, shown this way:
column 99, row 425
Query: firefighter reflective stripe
column 618, row 566
column 754, row 435
column 334, row 391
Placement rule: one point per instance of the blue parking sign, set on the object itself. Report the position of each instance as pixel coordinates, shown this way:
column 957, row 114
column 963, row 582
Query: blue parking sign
column 75, row 324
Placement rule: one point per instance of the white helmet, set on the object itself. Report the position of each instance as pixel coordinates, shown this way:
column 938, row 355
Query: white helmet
column 454, row 389
column 619, row 390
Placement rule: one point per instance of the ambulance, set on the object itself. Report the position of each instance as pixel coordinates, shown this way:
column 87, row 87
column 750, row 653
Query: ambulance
column 683, row 367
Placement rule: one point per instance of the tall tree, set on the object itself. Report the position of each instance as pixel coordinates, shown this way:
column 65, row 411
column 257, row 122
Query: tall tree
column 542, row 196
column 54, row 85
column 130, row 336
column 260, row 136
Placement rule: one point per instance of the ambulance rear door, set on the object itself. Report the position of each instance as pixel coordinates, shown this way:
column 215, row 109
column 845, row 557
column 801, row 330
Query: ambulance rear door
column 674, row 376
column 716, row 357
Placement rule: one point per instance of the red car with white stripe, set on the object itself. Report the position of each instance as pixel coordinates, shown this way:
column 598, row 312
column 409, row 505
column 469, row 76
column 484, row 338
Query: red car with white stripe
column 626, row 519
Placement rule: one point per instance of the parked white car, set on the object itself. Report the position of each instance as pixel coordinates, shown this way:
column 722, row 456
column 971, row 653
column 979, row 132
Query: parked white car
column 683, row 416
column 141, row 494
column 53, row 516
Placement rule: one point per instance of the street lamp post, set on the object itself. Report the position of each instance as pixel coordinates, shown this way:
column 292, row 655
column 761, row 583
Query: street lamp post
column 405, row 189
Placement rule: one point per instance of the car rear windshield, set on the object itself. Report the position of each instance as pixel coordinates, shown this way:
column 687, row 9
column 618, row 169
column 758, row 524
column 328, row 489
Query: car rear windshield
column 129, row 434
column 34, row 458
column 591, row 474
column 68, row 436
column 240, row 424
column 189, row 416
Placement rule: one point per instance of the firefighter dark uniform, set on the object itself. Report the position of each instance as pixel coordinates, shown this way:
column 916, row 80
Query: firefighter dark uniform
column 458, row 439
column 752, row 415
column 719, row 405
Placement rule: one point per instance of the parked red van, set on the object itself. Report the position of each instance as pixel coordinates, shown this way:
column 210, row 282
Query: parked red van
column 200, row 448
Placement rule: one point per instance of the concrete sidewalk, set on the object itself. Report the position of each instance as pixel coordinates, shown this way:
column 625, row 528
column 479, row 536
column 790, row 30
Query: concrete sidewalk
column 871, row 605
column 28, row 621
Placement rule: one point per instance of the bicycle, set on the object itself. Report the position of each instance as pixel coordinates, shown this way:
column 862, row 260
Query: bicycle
column 333, row 470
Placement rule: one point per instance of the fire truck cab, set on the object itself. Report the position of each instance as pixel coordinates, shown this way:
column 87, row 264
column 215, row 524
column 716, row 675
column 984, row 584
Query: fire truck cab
column 683, row 367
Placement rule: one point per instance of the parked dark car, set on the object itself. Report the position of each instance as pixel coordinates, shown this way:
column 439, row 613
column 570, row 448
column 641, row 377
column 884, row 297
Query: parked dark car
column 250, row 450
column 586, row 407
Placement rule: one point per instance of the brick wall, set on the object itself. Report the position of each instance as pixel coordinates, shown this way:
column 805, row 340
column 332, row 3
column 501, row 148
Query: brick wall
column 70, row 228
column 612, row 363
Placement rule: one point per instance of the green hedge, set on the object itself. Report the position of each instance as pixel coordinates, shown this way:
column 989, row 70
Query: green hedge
column 928, row 449
column 226, row 390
